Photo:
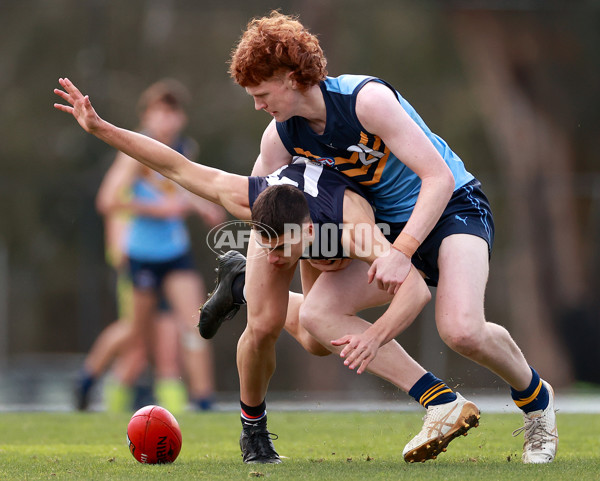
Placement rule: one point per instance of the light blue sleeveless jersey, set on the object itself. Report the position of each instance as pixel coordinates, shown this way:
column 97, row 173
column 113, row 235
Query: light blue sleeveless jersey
column 347, row 146
column 154, row 239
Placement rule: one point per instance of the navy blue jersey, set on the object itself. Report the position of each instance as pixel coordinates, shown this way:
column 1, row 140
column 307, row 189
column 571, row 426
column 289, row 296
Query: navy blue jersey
column 323, row 189
column 348, row 147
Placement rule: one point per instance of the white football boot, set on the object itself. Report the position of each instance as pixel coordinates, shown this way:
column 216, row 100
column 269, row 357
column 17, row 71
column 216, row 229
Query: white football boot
column 540, row 432
column 441, row 424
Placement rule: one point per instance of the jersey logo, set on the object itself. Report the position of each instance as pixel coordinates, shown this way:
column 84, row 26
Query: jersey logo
column 328, row 161
column 463, row 220
column 366, row 155
column 363, row 162
column 367, row 160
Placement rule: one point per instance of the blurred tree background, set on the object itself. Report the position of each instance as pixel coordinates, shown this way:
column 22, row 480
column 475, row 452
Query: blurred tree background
column 511, row 85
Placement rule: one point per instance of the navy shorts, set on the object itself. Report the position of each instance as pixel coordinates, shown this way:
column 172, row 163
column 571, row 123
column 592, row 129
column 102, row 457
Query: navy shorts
column 467, row 212
column 148, row 275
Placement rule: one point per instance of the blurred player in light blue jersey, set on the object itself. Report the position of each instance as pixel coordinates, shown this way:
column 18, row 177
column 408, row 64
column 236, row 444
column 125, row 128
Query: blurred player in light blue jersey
column 158, row 253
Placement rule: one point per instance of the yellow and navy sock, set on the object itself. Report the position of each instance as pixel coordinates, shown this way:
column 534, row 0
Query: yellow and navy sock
column 431, row 391
column 534, row 398
column 253, row 414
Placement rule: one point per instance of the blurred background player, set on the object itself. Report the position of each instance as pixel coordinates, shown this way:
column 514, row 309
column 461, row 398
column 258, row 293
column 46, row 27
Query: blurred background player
column 158, row 263
column 124, row 390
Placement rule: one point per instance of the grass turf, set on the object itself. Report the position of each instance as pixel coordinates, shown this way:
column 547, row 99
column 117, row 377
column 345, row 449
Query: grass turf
column 316, row 445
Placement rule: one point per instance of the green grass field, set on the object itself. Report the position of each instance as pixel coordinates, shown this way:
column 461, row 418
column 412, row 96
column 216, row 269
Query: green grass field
column 316, row 446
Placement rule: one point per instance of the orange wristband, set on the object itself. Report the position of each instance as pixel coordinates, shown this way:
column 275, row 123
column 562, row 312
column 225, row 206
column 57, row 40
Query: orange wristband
column 406, row 244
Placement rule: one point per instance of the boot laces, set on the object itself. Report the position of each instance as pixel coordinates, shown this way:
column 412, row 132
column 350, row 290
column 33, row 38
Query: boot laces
column 260, row 442
column 535, row 432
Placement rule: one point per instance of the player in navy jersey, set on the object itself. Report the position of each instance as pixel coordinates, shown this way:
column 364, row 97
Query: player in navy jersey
column 440, row 218
column 308, row 196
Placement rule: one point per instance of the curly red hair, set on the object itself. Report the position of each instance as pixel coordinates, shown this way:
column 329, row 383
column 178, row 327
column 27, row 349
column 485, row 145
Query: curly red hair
column 275, row 44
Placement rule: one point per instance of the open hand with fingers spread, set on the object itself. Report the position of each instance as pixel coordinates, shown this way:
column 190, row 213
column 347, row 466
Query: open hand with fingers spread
column 79, row 106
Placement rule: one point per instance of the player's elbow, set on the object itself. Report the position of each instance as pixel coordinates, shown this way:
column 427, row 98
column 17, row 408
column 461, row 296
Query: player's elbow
column 424, row 296
column 420, row 293
column 103, row 206
column 442, row 181
column 446, row 181
column 231, row 191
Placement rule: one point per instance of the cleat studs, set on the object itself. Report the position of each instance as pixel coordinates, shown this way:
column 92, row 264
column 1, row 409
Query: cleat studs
column 440, row 442
column 464, row 434
column 444, row 450
column 466, row 425
column 427, row 446
column 414, row 453
column 433, row 457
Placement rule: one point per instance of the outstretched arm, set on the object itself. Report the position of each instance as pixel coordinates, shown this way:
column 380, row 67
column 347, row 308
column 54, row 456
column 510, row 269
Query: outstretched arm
column 228, row 190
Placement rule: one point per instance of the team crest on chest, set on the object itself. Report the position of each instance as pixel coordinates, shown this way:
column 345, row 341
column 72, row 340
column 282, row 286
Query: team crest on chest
column 327, row 161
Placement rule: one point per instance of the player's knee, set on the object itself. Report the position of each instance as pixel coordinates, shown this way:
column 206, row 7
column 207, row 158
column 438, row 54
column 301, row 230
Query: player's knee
column 464, row 338
column 309, row 316
column 131, row 334
column 261, row 336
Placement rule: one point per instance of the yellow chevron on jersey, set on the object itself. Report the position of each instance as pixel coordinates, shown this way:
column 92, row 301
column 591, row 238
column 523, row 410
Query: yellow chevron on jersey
column 364, row 164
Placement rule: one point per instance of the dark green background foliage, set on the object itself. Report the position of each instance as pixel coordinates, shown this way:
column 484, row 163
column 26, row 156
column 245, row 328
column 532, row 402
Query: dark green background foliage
column 461, row 64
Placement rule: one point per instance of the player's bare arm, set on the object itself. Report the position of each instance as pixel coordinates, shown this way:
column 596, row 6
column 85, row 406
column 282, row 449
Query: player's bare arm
column 115, row 183
column 361, row 236
column 380, row 113
column 273, row 153
column 112, row 198
column 228, row 190
column 360, row 349
column 211, row 213
column 366, row 242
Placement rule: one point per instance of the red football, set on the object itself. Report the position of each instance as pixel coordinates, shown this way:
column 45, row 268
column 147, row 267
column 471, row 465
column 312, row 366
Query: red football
column 153, row 435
